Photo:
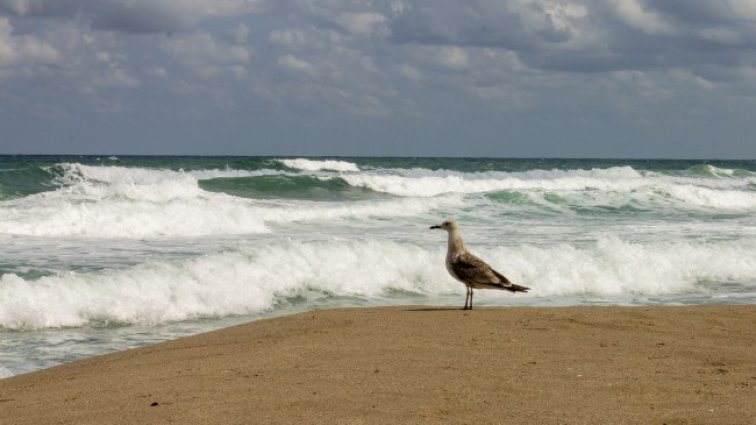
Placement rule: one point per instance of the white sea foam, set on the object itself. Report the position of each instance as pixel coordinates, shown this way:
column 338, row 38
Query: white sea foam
column 718, row 193
column 123, row 202
column 120, row 202
column 209, row 214
column 231, row 173
column 319, row 165
column 426, row 183
column 257, row 278
column 116, row 218
column 70, row 173
column 85, row 182
column 212, row 285
column 719, row 199
column 5, row 373
column 616, row 267
column 710, row 170
column 721, row 172
column 75, row 172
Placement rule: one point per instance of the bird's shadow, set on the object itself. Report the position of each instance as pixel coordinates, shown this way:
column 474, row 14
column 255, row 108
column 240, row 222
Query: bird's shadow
column 421, row 309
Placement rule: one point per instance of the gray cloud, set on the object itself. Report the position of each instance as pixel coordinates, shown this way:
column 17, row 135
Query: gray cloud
column 144, row 18
column 513, row 25
column 392, row 68
column 588, row 36
column 42, row 8
column 132, row 16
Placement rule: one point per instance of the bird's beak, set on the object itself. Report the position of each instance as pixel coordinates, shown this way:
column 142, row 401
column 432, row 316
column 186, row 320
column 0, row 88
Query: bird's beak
column 435, row 227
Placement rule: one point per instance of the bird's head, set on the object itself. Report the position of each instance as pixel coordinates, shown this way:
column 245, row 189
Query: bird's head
column 447, row 225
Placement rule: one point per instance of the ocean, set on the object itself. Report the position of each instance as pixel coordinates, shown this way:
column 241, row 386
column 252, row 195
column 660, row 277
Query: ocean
column 106, row 253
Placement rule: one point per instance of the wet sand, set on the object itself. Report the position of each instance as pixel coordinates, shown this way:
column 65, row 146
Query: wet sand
column 584, row 365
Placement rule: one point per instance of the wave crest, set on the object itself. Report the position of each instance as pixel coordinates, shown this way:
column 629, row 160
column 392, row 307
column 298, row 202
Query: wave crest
column 584, row 188
column 259, row 278
column 178, row 208
column 319, row 165
column 427, row 183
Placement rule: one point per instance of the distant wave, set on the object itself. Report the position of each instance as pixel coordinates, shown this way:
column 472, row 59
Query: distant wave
column 208, row 214
column 131, row 202
column 120, row 202
column 707, row 170
column 581, row 185
column 319, row 165
column 231, row 173
column 89, row 182
column 285, row 186
column 259, row 278
column 426, row 183
column 22, row 181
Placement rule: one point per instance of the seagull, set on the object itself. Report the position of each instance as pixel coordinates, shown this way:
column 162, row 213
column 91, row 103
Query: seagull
column 471, row 270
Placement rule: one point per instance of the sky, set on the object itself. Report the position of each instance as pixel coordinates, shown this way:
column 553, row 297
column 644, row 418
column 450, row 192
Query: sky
column 503, row 78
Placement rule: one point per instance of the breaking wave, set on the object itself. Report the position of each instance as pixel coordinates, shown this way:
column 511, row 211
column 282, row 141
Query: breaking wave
column 285, row 186
column 120, row 202
column 319, row 165
column 626, row 182
column 259, row 278
column 125, row 202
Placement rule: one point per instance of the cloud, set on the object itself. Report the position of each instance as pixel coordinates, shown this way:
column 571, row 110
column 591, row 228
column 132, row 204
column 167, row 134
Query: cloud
column 134, row 16
column 486, row 23
column 410, row 72
column 206, row 55
column 638, row 14
column 23, row 50
column 292, row 63
column 402, row 60
column 156, row 16
column 307, row 38
column 141, row 18
column 240, row 33
column 40, row 8
column 734, row 12
column 116, row 77
column 453, row 57
column 587, row 35
column 365, row 23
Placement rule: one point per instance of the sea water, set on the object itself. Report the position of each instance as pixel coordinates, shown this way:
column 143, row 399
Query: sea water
column 105, row 253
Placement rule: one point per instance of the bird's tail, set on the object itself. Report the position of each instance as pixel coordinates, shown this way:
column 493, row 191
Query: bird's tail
column 507, row 284
column 513, row 287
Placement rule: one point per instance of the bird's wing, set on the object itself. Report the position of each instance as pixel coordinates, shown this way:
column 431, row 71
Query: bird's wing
column 474, row 271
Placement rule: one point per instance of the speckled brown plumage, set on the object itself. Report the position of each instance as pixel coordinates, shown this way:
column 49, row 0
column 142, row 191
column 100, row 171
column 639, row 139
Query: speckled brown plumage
column 471, row 270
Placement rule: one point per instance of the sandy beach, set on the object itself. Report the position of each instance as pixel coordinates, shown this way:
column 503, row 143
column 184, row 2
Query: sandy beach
column 584, row 365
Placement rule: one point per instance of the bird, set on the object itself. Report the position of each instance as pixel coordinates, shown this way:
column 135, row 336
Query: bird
column 471, row 270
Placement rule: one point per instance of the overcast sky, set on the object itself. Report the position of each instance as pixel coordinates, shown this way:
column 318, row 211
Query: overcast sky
column 554, row 78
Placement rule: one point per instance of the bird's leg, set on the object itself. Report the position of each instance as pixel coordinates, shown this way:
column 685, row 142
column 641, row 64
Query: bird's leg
column 471, row 298
column 467, row 297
